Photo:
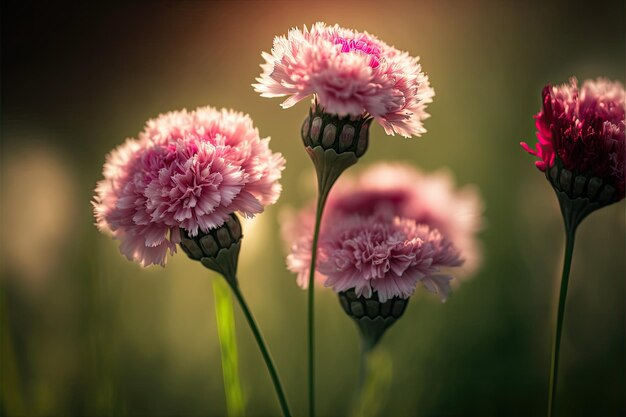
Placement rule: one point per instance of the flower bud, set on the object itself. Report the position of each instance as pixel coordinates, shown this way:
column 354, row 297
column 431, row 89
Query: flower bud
column 371, row 316
column 342, row 134
column 582, row 186
column 218, row 249
column 579, row 194
column 333, row 143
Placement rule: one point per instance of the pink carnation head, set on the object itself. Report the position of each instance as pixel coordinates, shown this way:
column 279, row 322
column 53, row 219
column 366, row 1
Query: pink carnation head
column 350, row 73
column 187, row 170
column 375, row 262
column 385, row 255
column 582, row 131
column 394, row 200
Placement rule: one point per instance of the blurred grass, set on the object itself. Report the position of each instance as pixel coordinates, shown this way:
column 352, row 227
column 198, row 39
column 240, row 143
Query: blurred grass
column 94, row 334
column 11, row 384
column 224, row 315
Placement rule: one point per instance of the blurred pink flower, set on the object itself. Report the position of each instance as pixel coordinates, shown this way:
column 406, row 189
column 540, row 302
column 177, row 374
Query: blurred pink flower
column 350, row 73
column 387, row 255
column 584, row 128
column 400, row 191
column 431, row 199
column 187, row 170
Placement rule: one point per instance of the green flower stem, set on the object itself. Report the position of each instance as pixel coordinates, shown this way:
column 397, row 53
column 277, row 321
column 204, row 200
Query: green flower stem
column 321, row 202
column 224, row 315
column 329, row 165
column 570, row 234
column 262, row 347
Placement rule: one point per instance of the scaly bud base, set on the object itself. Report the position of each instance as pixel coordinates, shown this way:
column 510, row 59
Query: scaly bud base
column 217, row 250
column 371, row 316
column 578, row 194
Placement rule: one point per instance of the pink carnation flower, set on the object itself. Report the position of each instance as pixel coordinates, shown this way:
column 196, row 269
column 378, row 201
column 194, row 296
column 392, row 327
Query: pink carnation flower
column 403, row 193
column 584, row 128
column 350, row 73
column 187, row 170
column 386, row 255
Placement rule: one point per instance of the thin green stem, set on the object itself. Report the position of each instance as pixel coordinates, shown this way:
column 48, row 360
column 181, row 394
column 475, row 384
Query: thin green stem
column 321, row 202
column 225, row 319
column 570, row 234
column 262, row 347
column 329, row 165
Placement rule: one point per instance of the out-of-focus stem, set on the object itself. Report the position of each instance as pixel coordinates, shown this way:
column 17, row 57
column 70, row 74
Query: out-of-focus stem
column 375, row 376
column 10, row 383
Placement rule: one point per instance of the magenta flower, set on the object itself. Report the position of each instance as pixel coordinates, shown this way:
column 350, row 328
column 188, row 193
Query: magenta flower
column 581, row 145
column 582, row 131
column 350, row 73
column 429, row 200
column 188, row 170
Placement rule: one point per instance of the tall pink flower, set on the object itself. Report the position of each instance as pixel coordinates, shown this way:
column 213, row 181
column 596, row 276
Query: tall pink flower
column 350, row 73
column 354, row 78
column 581, row 130
column 189, row 171
column 430, row 200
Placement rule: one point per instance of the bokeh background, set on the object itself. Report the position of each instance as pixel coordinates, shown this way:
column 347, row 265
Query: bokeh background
column 85, row 332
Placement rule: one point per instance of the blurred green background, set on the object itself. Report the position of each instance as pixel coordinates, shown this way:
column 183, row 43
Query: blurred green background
column 85, row 332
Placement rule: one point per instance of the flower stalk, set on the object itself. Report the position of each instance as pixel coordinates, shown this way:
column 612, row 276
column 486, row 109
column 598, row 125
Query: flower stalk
column 218, row 250
column 334, row 144
column 578, row 197
column 311, row 306
column 325, row 183
column 282, row 399
column 570, row 234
